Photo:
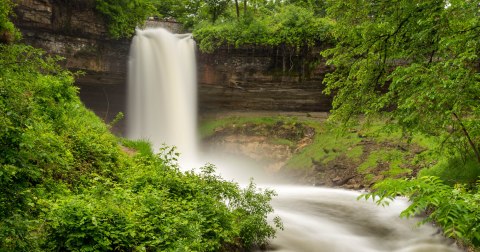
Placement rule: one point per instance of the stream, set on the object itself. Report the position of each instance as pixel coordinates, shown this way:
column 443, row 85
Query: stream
column 162, row 108
column 318, row 219
column 325, row 219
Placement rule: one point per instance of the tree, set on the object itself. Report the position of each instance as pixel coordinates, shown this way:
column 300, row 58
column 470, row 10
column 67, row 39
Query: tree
column 8, row 33
column 122, row 16
column 216, row 8
column 417, row 61
column 237, row 9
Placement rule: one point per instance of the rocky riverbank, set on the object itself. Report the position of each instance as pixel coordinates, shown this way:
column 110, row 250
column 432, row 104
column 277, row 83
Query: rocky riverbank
column 355, row 160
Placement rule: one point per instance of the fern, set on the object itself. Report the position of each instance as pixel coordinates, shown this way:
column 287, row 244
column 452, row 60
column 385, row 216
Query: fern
column 455, row 209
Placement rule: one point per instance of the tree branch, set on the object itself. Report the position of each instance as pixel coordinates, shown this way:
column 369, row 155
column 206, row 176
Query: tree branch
column 472, row 144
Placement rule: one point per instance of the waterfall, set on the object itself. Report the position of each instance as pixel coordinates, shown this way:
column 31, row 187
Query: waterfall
column 162, row 109
column 162, row 90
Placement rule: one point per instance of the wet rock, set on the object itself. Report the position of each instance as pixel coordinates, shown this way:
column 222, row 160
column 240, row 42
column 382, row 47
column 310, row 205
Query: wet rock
column 304, row 142
column 340, row 181
column 255, row 147
column 357, row 186
column 336, row 180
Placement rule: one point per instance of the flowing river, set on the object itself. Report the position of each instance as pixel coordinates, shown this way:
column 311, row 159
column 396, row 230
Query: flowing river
column 162, row 108
column 323, row 219
column 320, row 219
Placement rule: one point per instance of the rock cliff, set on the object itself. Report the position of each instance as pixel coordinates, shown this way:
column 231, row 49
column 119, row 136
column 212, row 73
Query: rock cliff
column 72, row 29
column 229, row 79
column 259, row 78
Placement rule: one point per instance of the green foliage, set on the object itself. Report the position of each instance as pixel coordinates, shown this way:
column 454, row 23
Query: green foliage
column 8, row 32
column 454, row 170
column 251, row 209
column 122, row 16
column 216, row 8
column 394, row 157
column 49, row 142
column 455, row 209
column 143, row 147
column 418, row 60
column 291, row 25
column 355, row 153
column 330, row 142
column 156, row 207
column 187, row 12
column 66, row 184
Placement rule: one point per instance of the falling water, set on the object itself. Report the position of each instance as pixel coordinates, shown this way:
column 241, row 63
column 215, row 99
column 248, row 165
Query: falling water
column 162, row 90
column 162, row 109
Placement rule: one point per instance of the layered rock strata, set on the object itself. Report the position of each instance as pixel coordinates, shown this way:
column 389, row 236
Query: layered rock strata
column 249, row 78
column 73, row 30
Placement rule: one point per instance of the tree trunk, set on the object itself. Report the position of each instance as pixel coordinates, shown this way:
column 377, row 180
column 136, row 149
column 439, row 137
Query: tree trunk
column 465, row 132
column 244, row 8
column 237, row 9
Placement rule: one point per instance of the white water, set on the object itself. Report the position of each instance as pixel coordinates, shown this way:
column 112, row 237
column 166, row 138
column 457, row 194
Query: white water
column 162, row 109
column 162, row 90
column 323, row 219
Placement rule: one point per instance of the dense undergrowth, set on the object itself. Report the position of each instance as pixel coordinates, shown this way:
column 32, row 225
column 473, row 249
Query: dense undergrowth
column 67, row 185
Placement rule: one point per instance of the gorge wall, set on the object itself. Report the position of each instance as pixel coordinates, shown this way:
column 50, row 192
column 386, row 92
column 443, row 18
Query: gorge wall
column 229, row 79
column 72, row 29
column 260, row 78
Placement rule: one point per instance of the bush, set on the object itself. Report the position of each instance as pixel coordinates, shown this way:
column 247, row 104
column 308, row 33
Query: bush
column 66, row 185
column 123, row 16
column 455, row 209
column 156, row 207
column 456, row 169
column 8, row 33
column 291, row 26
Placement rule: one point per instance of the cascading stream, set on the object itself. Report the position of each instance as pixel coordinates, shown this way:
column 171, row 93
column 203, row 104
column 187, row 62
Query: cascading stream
column 162, row 109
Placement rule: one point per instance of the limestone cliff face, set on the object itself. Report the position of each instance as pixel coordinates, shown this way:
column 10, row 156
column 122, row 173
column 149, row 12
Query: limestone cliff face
column 72, row 29
column 230, row 79
column 259, row 78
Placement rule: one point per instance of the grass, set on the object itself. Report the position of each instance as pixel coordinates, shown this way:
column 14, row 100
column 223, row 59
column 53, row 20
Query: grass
column 328, row 144
column 208, row 126
column 142, row 146
column 393, row 157
column 355, row 153
column 425, row 141
column 455, row 170
column 283, row 141
column 334, row 140
column 330, row 141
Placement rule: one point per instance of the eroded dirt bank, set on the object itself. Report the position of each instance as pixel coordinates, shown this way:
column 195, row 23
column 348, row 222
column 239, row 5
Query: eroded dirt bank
column 299, row 146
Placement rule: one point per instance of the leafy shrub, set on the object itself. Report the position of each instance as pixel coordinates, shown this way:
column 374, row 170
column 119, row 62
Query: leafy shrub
column 8, row 33
column 292, row 26
column 65, row 184
column 123, row 16
column 456, row 169
column 156, row 207
column 455, row 209
column 48, row 139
